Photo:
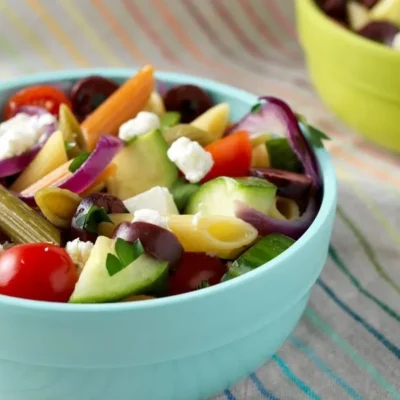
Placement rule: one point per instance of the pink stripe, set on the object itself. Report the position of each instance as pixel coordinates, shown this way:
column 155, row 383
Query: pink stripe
column 246, row 42
column 264, row 28
column 139, row 18
column 274, row 9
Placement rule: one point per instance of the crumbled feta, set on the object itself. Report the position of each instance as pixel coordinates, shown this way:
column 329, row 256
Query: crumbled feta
column 151, row 217
column 79, row 251
column 143, row 123
column 190, row 158
column 157, row 198
column 20, row 133
column 396, row 42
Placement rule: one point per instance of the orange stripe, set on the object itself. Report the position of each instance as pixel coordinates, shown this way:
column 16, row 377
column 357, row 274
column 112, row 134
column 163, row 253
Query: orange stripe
column 140, row 18
column 175, row 25
column 62, row 38
column 264, row 29
column 274, row 9
column 128, row 43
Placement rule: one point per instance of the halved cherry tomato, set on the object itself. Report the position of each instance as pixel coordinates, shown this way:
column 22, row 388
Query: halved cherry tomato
column 37, row 271
column 231, row 155
column 196, row 270
column 48, row 97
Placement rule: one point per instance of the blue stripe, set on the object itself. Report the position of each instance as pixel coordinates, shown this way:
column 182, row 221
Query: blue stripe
column 379, row 336
column 229, row 395
column 292, row 377
column 261, row 388
column 325, row 368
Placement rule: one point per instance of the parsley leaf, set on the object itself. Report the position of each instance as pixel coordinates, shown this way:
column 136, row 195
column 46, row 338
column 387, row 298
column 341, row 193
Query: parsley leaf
column 127, row 253
column 113, row 264
column 79, row 161
column 256, row 108
column 316, row 135
column 169, row 119
column 92, row 219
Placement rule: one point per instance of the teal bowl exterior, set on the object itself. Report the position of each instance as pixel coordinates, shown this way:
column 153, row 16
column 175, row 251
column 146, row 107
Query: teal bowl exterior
column 178, row 348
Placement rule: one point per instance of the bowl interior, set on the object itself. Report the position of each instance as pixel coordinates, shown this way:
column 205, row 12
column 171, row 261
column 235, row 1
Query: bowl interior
column 240, row 102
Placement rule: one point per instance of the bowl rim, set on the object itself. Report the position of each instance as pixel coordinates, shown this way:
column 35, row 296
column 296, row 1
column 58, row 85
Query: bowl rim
column 328, row 204
column 344, row 33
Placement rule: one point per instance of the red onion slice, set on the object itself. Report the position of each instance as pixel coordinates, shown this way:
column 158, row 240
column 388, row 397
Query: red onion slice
column 266, row 224
column 106, row 149
column 276, row 116
column 13, row 165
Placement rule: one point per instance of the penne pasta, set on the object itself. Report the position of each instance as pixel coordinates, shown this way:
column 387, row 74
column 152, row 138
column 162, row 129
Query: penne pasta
column 50, row 157
column 56, row 176
column 214, row 120
column 284, row 208
column 224, row 236
column 122, row 105
column 155, row 104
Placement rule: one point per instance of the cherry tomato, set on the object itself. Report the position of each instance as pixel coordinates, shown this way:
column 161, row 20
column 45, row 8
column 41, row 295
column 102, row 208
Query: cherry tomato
column 37, row 271
column 194, row 271
column 48, row 97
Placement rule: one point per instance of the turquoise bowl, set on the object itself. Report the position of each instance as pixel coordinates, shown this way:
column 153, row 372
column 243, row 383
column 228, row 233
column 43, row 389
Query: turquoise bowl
column 185, row 347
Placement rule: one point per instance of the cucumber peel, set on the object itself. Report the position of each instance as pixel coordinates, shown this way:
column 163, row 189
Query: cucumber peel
column 282, row 156
column 264, row 250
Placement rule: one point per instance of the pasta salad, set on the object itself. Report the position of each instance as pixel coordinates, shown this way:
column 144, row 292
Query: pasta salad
column 131, row 192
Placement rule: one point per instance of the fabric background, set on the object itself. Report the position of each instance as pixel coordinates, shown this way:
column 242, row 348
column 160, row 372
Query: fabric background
column 347, row 344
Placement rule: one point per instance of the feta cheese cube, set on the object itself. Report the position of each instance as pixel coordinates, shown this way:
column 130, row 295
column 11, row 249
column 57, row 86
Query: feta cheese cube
column 20, row 133
column 143, row 123
column 157, row 198
column 79, row 252
column 151, row 217
column 190, row 158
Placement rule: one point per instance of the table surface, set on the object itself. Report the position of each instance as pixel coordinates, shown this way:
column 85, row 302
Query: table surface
column 347, row 344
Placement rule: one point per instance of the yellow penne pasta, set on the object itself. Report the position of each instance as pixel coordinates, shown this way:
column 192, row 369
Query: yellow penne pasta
column 284, row 208
column 214, row 120
column 155, row 104
column 224, row 236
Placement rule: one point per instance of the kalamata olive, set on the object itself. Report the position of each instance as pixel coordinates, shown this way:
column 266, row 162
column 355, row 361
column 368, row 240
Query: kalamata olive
column 189, row 100
column 158, row 242
column 110, row 204
column 334, row 8
column 196, row 271
column 290, row 184
column 88, row 93
column 380, row 31
column 368, row 3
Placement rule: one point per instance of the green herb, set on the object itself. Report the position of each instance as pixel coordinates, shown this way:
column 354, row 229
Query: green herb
column 315, row 135
column 256, row 108
column 113, row 264
column 127, row 253
column 203, row 284
column 182, row 192
column 90, row 221
column 170, row 118
column 78, row 161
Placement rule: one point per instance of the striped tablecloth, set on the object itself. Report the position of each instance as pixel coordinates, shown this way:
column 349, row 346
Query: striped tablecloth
column 347, row 344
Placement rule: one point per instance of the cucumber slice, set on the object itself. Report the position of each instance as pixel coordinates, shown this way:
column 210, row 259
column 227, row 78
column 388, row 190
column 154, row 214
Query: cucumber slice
column 282, row 156
column 218, row 196
column 263, row 251
column 141, row 165
column 95, row 285
column 182, row 192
